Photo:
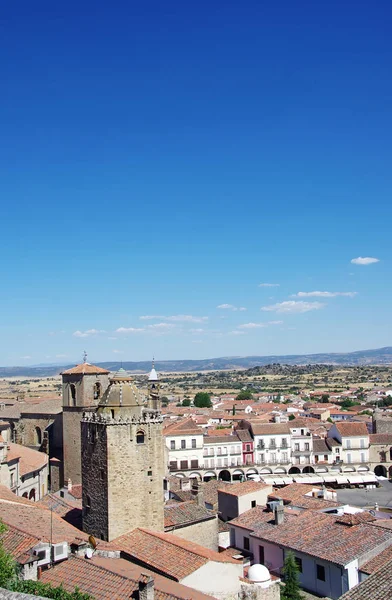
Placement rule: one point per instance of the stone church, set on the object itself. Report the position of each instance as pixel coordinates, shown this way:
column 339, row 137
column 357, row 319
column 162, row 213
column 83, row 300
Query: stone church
column 123, row 460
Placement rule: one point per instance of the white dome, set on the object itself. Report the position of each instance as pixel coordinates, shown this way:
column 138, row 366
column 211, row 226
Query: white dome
column 153, row 376
column 259, row 574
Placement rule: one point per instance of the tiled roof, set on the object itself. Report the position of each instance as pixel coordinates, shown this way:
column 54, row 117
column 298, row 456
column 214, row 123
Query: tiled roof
column 185, row 513
column 244, row 435
column 8, row 496
column 76, row 491
column 162, row 585
column 270, row 428
column 29, row 460
column 243, row 488
column 319, row 535
column 320, row 447
column 70, row 511
column 210, row 490
column 380, row 438
column 47, row 406
column 85, row 369
column 221, row 439
column 352, row 429
column 376, row 587
column 374, row 564
column 17, row 542
column 182, row 427
column 295, row 494
column 166, row 553
column 37, row 521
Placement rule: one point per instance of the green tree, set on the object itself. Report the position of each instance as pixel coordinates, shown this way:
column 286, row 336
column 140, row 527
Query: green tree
column 291, row 589
column 202, row 400
column 233, row 410
column 186, row 402
column 245, row 395
column 291, row 417
column 324, row 398
column 7, row 563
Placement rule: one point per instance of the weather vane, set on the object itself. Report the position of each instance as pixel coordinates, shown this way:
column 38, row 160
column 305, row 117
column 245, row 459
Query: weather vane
column 85, row 356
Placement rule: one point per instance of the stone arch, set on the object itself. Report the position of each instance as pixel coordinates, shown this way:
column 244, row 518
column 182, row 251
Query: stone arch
column 72, row 394
column 265, row 471
column 280, row 471
column 390, row 472
column 38, row 436
column 348, row 469
column 97, row 390
column 140, row 436
column 380, row 471
column 294, row 471
column 32, row 494
column 321, row 469
column 209, row 475
column 180, row 475
column 238, row 475
column 195, row 475
column 308, row 469
column 363, row 468
column 225, row 475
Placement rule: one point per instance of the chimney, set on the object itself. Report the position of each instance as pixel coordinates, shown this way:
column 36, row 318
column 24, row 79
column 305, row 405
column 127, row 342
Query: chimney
column 39, row 572
column 146, row 587
column 279, row 514
column 69, row 485
column 197, row 493
column 185, row 484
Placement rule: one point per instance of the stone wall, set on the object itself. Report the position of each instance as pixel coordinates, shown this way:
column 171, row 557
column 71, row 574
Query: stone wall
column 123, row 478
column 204, row 533
column 7, row 595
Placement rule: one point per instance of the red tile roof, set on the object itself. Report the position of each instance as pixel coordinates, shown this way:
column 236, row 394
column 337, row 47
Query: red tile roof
column 85, row 369
column 185, row 513
column 243, row 488
column 270, row 428
column 381, row 438
column 29, row 460
column 182, row 427
column 352, row 429
column 166, row 553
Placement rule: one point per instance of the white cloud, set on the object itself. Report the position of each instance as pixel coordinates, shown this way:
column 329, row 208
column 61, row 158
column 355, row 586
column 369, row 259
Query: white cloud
column 25, row 357
column 291, row 306
column 236, row 332
column 259, row 325
column 231, row 307
column 161, row 326
column 199, row 330
column 130, row 330
column 323, row 294
column 118, row 352
column 269, row 284
column 367, row 260
column 175, row 318
column 87, row 333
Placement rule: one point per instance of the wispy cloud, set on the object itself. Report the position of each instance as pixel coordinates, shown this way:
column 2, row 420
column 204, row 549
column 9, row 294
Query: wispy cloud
column 231, row 307
column 269, row 284
column 161, row 326
column 130, row 330
column 175, row 318
column 259, row 325
column 367, row 260
column 236, row 332
column 87, row 333
column 323, row 294
column 25, row 357
column 292, row 306
column 156, row 327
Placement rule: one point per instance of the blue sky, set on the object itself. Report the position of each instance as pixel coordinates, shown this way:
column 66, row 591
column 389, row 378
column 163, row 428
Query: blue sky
column 165, row 159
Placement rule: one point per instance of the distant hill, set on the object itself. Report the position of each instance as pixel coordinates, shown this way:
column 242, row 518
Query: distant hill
column 380, row 356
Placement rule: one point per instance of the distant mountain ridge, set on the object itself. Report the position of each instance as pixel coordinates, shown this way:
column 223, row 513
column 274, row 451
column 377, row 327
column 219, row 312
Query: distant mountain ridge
column 379, row 356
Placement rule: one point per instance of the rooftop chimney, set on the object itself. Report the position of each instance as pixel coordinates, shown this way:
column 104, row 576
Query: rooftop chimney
column 185, row 483
column 146, row 587
column 69, row 485
column 279, row 514
column 197, row 493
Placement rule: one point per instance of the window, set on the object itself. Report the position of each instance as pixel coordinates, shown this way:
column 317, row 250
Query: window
column 194, row 464
column 362, row 443
column 273, row 458
column 183, row 464
column 285, row 457
column 307, row 447
column 299, row 563
column 97, row 391
column 261, row 555
column 363, row 457
column 193, row 443
column 112, row 413
column 273, row 443
column 348, row 458
column 326, row 457
column 149, row 473
column 72, row 400
column 183, row 444
column 246, row 543
column 261, row 458
column 320, row 571
column 173, row 465
column 102, row 474
column 302, row 431
column 348, row 443
column 219, row 462
column 248, row 447
column 219, row 450
column 253, row 503
column 296, row 447
column 172, row 444
column 284, row 443
column 12, row 479
column 38, row 436
column 140, row 437
column 88, row 501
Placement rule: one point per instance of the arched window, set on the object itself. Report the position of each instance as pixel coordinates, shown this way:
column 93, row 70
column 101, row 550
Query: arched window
column 390, row 454
column 383, row 456
column 32, row 495
column 72, row 400
column 97, row 391
column 140, row 437
column 38, row 436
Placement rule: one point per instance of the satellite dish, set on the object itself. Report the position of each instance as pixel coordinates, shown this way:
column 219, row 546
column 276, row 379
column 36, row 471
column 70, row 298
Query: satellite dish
column 92, row 541
column 89, row 553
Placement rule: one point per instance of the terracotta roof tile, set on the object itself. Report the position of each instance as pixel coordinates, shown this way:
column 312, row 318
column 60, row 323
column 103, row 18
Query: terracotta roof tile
column 182, row 427
column 29, row 460
column 243, row 488
column 85, row 369
column 376, row 587
column 352, row 429
column 185, row 513
column 376, row 563
column 381, row 438
column 270, row 428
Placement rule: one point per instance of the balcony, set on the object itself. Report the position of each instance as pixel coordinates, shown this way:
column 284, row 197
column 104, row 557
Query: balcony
column 301, row 452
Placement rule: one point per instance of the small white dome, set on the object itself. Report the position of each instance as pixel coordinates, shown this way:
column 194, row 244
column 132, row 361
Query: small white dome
column 153, row 376
column 259, row 574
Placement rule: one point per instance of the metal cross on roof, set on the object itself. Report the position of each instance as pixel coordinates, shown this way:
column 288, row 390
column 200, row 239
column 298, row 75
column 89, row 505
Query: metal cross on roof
column 85, row 356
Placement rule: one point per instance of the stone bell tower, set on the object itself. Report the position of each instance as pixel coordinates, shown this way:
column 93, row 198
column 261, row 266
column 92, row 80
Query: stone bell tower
column 83, row 386
column 153, row 389
column 123, row 463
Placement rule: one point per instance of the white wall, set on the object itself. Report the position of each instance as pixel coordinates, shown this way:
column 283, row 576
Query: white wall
column 218, row 579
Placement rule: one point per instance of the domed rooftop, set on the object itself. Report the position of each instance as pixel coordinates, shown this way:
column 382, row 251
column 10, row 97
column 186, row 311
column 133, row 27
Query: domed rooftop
column 122, row 392
column 153, row 376
column 259, row 574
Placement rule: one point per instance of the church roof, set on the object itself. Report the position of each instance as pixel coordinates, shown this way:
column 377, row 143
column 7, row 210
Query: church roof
column 85, row 369
column 121, row 392
column 153, row 376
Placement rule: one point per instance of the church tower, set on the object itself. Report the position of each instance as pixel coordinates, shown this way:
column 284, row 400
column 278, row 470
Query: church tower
column 123, row 463
column 153, row 389
column 83, row 386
